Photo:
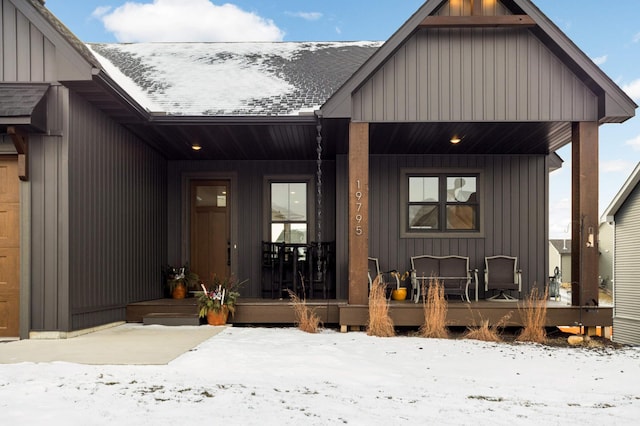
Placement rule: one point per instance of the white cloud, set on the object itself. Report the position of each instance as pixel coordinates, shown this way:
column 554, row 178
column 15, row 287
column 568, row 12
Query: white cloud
column 634, row 143
column 309, row 16
column 600, row 59
column 187, row 20
column 633, row 89
column 100, row 11
column 636, row 38
column 616, row 166
column 338, row 30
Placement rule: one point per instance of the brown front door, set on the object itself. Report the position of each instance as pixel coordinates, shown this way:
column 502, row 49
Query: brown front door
column 9, row 248
column 210, row 236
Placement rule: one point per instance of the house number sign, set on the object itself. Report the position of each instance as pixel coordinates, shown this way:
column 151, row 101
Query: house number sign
column 358, row 210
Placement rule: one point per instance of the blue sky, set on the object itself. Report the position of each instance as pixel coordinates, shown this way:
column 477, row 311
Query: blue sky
column 607, row 31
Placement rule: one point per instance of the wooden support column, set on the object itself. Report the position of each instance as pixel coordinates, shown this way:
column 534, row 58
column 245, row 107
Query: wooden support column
column 584, row 214
column 21, row 142
column 358, row 213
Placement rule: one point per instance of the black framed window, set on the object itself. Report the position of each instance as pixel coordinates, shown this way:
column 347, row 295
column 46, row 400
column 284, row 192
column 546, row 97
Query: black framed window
column 442, row 202
column 289, row 218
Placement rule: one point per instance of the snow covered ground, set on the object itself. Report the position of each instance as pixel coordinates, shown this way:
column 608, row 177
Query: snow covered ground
column 282, row 376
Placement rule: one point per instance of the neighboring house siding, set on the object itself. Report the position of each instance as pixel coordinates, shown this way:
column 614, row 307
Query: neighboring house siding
column 117, row 217
column 474, row 75
column 26, row 55
column 249, row 219
column 626, row 320
column 513, row 204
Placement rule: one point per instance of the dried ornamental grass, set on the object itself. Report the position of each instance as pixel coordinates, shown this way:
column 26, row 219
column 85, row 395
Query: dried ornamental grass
column 306, row 318
column 534, row 314
column 486, row 332
column 380, row 323
column 435, row 311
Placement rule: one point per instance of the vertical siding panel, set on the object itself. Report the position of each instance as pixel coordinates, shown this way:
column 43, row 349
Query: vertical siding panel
column 491, row 79
column 445, row 77
column 23, row 43
column 455, row 74
column 433, row 74
column 500, row 105
column 522, row 77
column 534, row 81
column 37, row 54
column 9, row 43
column 477, row 70
column 567, row 95
column 424, row 72
column 378, row 96
column 49, row 61
column 511, row 73
column 412, row 88
column 467, row 69
column 400, row 109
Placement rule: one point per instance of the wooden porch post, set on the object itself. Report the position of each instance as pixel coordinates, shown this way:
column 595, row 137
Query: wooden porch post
column 584, row 214
column 358, row 212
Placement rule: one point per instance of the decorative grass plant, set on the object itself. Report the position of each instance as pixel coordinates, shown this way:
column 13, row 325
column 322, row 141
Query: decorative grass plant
column 435, row 311
column 306, row 318
column 380, row 323
column 486, row 332
column 534, row 314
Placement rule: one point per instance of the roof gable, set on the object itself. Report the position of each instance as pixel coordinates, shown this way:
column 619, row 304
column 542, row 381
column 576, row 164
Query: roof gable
column 44, row 37
column 621, row 197
column 609, row 102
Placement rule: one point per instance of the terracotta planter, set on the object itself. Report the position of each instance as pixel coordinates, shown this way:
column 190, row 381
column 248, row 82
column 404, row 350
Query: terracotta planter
column 179, row 291
column 218, row 318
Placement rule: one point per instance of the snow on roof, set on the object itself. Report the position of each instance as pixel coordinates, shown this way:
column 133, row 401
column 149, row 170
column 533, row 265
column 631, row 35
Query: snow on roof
column 232, row 78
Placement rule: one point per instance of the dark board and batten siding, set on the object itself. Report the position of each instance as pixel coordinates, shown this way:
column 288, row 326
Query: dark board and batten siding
column 513, row 204
column 35, row 52
column 626, row 319
column 49, row 256
column 117, row 218
column 474, row 75
column 249, row 219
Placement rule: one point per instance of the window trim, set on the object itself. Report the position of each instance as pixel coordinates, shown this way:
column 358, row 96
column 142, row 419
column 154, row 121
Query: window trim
column 266, row 196
column 406, row 173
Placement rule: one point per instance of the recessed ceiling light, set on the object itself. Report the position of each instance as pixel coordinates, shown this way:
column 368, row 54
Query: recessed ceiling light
column 455, row 139
column 196, row 147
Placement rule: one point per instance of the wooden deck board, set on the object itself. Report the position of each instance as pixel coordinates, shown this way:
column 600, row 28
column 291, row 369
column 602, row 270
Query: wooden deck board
column 405, row 313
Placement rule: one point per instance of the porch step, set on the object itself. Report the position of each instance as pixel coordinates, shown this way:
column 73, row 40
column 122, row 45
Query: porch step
column 170, row 318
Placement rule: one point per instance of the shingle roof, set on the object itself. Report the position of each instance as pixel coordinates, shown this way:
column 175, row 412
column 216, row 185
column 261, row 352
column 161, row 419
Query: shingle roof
column 19, row 100
column 562, row 246
column 255, row 79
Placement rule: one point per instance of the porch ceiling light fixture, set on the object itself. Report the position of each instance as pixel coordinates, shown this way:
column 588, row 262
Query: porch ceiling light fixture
column 196, row 147
column 455, row 139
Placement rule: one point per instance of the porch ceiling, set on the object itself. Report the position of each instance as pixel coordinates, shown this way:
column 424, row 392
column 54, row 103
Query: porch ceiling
column 295, row 139
column 476, row 138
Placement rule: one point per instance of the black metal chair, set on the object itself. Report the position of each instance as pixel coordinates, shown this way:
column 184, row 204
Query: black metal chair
column 501, row 274
column 387, row 278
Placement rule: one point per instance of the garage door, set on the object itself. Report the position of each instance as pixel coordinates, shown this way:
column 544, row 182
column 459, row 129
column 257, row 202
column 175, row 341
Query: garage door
column 9, row 248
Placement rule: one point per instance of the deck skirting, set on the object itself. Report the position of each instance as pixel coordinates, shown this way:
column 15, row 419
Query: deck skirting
column 404, row 314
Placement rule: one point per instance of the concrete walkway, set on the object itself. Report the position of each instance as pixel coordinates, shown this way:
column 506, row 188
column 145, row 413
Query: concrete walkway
column 126, row 344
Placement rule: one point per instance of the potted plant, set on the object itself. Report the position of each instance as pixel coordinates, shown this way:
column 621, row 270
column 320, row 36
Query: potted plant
column 180, row 280
column 218, row 300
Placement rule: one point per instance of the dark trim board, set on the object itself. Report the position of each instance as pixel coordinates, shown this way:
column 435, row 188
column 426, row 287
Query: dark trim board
column 253, row 311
